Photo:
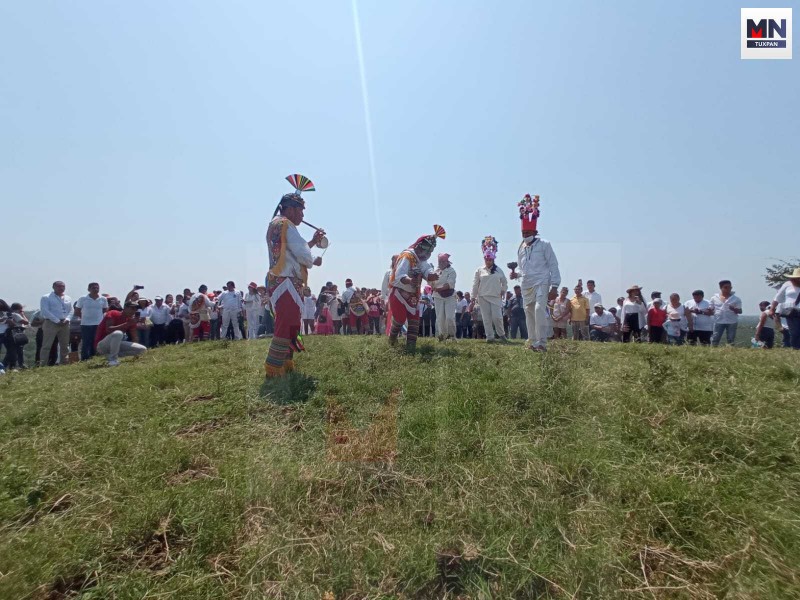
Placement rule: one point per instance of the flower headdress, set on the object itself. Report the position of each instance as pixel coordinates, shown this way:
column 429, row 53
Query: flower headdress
column 489, row 247
column 529, row 212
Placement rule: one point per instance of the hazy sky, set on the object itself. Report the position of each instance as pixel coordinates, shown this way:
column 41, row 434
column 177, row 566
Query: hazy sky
column 147, row 142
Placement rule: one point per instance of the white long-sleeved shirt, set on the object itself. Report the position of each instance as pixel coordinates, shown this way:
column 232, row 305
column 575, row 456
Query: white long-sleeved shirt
column 593, row 298
column 490, row 287
column 723, row 315
column 786, row 297
column 297, row 253
column 447, row 275
column 402, row 269
column 630, row 307
column 160, row 315
column 347, row 294
column 538, row 264
column 55, row 307
column 252, row 302
column 309, row 307
column 230, row 300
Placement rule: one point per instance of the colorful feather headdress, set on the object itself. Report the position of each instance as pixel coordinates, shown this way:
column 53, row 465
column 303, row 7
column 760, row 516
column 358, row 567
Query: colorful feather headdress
column 430, row 240
column 301, row 184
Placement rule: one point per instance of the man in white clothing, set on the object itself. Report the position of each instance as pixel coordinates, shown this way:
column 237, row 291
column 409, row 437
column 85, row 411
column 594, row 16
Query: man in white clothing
column 444, row 298
column 702, row 315
column 601, row 324
column 539, row 275
column 231, row 302
column 252, row 310
column 90, row 310
column 727, row 308
column 591, row 294
column 56, row 308
column 160, row 317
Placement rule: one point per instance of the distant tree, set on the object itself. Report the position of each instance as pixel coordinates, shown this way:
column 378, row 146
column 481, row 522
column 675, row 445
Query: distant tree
column 776, row 274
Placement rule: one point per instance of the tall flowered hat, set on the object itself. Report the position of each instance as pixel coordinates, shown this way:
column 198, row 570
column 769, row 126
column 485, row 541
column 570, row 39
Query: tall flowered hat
column 489, row 247
column 529, row 212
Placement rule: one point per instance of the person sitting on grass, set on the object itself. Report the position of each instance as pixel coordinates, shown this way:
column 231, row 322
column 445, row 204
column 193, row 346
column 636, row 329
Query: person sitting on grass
column 601, row 324
column 111, row 331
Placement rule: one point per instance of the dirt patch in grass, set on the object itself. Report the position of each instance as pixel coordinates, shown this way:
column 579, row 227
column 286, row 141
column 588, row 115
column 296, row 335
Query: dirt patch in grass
column 378, row 443
column 200, row 467
column 69, row 586
column 158, row 550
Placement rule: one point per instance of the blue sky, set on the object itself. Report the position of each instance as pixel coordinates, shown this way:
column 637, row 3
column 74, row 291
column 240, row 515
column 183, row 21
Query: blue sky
column 147, row 142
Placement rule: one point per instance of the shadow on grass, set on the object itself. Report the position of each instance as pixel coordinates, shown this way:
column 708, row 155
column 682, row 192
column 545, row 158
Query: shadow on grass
column 428, row 352
column 293, row 388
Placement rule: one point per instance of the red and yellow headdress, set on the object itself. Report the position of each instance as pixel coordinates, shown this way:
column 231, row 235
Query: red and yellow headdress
column 429, row 241
column 529, row 212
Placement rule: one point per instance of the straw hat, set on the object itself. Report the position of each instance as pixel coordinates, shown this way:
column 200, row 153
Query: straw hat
column 794, row 274
column 632, row 288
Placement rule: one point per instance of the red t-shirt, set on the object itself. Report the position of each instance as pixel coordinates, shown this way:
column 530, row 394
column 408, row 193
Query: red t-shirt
column 113, row 317
column 656, row 317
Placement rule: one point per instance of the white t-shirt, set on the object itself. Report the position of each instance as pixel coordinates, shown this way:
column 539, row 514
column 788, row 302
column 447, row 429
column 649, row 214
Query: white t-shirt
column 230, row 300
column 604, row 320
column 91, row 309
column 701, row 322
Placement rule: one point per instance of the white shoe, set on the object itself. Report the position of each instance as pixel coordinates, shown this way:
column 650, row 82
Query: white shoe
column 113, row 362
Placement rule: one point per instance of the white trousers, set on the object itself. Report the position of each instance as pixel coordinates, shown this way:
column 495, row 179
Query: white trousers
column 492, row 314
column 112, row 346
column 535, row 300
column 231, row 317
column 445, row 315
column 252, row 323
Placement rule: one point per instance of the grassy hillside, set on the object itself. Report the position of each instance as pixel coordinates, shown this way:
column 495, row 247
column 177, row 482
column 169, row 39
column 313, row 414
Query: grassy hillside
column 594, row 471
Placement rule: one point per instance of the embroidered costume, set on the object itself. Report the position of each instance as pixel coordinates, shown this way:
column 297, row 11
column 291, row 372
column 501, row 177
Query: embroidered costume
column 289, row 260
column 410, row 269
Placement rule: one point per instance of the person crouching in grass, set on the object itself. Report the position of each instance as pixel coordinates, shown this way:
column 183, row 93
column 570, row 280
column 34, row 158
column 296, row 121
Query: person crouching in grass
column 112, row 330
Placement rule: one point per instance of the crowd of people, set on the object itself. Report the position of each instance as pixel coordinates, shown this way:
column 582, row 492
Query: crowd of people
column 537, row 309
column 102, row 324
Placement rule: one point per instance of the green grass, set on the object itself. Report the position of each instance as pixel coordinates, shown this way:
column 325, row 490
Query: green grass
column 594, row 471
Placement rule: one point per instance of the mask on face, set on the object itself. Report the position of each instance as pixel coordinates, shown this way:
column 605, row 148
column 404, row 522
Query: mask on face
column 529, row 239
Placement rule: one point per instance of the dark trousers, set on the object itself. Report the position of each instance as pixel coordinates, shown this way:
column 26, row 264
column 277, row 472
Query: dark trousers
column 656, row 335
column 598, row 336
column 787, row 339
column 704, row 337
column 375, row 325
column 158, row 335
column 466, row 325
column 517, row 324
column 215, row 325
column 794, row 331
column 632, row 321
column 429, row 323
column 175, row 332
column 768, row 337
column 53, row 353
column 14, row 356
column 87, row 341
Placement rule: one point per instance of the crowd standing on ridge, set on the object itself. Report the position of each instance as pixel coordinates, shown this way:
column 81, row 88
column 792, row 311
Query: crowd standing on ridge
column 537, row 308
